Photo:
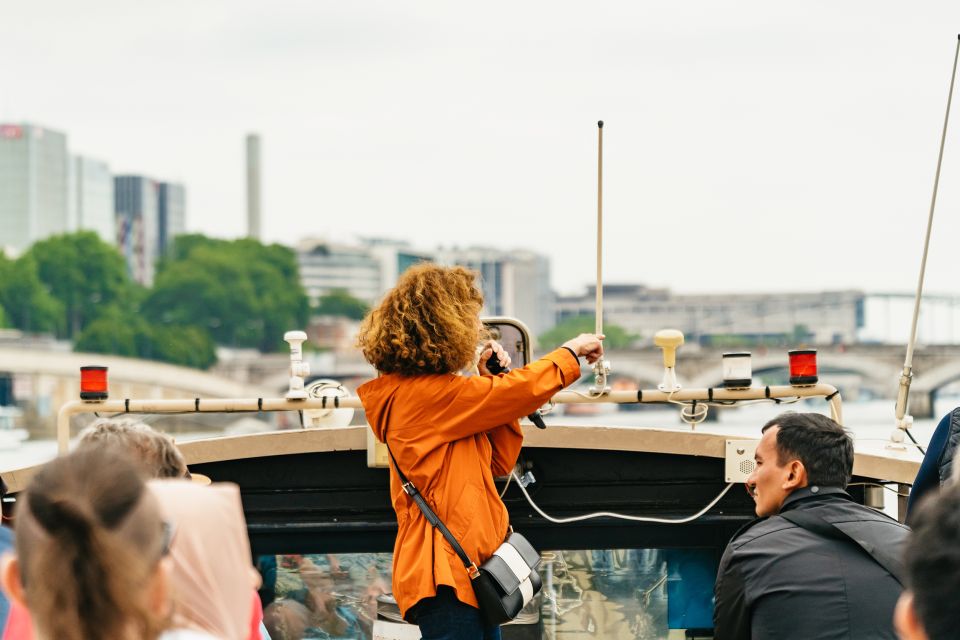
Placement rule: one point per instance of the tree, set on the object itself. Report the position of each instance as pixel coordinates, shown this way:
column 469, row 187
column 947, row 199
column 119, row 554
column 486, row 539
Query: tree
column 125, row 333
column 115, row 332
column 245, row 293
column 187, row 346
column 616, row 337
column 26, row 301
column 340, row 303
column 85, row 275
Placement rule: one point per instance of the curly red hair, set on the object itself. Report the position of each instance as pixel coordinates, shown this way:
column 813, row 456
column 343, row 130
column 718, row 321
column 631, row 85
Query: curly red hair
column 428, row 323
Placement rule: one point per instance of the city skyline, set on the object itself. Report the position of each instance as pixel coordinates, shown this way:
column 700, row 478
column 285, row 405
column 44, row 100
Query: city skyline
column 747, row 149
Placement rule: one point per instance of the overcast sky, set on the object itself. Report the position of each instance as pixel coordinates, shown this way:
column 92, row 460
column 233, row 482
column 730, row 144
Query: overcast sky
column 748, row 145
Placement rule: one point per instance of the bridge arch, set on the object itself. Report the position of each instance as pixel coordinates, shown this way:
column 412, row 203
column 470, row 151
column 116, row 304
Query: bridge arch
column 924, row 389
column 186, row 381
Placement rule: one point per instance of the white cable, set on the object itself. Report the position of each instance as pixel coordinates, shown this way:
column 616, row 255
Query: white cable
column 610, row 514
column 693, row 419
column 506, row 486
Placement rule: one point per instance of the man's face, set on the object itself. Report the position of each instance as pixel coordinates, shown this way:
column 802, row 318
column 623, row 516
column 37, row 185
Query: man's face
column 768, row 484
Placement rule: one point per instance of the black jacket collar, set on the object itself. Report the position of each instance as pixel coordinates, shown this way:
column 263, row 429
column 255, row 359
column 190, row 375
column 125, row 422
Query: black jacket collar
column 812, row 492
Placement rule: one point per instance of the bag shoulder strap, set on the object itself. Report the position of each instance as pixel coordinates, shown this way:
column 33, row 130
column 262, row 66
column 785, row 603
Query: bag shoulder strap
column 810, row 521
column 431, row 516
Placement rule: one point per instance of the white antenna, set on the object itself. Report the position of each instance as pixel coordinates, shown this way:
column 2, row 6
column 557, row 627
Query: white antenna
column 904, row 421
column 601, row 367
column 599, row 302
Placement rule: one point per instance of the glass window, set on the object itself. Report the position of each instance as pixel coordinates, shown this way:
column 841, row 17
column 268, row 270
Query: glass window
column 639, row 594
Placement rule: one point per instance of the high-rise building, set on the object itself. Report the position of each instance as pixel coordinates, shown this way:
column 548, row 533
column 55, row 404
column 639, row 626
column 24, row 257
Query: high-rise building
column 33, row 185
column 90, row 198
column 136, row 206
column 172, row 214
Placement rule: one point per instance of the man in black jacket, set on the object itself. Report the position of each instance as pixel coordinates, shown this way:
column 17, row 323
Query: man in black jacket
column 817, row 564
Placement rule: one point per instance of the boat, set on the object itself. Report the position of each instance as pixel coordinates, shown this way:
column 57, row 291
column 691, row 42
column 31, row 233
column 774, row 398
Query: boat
column 321, row 492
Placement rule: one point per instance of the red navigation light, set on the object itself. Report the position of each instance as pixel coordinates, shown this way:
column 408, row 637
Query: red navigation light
column 803, row 367
column 93, row 383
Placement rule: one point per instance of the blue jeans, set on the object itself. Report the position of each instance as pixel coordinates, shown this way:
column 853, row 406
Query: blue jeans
column 445, row 618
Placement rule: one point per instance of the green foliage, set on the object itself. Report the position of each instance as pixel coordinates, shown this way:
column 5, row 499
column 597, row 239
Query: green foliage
column 206, row 291
column 616, row 336
column 27, row 303
column 116, row 332
column 188, row 346
column 245, row 293
column 84, row 275
column 124, row 333
column 340, row 303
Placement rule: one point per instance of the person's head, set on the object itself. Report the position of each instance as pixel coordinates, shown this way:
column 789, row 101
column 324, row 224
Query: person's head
column 795, row 451
column 90, row 547
column 155, row 452
column 428, row 323
column 927, row 608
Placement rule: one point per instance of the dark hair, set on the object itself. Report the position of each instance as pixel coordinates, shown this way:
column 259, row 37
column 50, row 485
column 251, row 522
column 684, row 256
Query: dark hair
column 88, row 538
column 932, row 562
column 823, row 446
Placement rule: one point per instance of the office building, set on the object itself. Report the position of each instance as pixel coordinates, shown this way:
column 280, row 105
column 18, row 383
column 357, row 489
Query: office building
column 395, row 257
column 137, row 218
column 33, row 185
column 326, row 267
column 828, row 317
column 90, row 198
column 171, row 214
column 514, row 283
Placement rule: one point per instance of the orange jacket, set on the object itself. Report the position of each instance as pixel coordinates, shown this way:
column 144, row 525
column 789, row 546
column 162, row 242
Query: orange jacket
column 451, row 434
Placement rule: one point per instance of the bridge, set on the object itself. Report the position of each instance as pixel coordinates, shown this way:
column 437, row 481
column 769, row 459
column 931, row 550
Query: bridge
column 47, row 378
column 47, row 375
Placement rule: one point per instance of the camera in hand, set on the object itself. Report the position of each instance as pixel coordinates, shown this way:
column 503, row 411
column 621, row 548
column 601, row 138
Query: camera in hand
column 493, row 366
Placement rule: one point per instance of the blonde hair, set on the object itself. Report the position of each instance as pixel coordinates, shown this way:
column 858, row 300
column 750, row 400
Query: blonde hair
column 428, row 323
column 153, row 451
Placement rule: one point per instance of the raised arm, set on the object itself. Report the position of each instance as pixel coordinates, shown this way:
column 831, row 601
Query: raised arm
column 481, row 403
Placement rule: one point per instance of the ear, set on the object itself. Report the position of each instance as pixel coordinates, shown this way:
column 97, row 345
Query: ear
column 905, row 619
column 795, row 475
column 158, row 593
column 10, row 579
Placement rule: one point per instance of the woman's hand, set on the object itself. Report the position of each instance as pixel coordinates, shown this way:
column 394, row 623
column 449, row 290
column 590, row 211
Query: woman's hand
column 489, row 348
column 588, row 345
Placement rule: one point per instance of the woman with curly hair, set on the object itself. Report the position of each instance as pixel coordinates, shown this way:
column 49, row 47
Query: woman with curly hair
column 450, row 434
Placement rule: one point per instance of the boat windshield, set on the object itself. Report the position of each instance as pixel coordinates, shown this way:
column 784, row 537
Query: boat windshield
column 587, row 593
